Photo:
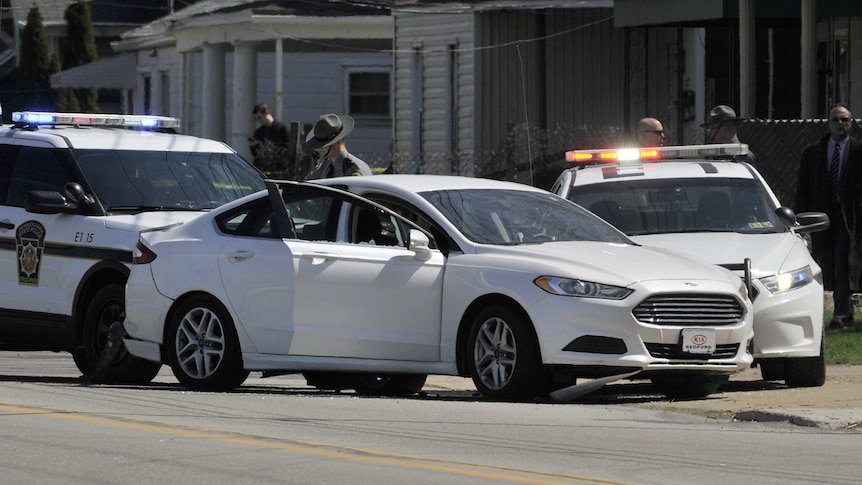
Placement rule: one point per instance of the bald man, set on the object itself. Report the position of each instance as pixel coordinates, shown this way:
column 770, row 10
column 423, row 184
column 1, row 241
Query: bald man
column 650, row 133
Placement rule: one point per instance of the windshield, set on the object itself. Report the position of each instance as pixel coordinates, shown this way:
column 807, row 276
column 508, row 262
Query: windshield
column 130, row 180
column 681, row 205
column 510, row 217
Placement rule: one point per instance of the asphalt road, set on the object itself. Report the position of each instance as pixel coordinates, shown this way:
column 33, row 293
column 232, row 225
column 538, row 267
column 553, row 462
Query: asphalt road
column 278, row 430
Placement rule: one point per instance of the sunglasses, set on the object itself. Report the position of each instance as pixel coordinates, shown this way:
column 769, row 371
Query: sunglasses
column 839, row 120
column 655, row 132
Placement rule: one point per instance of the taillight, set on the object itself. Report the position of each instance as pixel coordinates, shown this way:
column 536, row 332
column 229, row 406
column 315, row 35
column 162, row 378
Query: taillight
column 142, row 254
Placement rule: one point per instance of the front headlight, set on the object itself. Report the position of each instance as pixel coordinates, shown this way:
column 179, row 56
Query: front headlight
column 585, row 289
column 784, row 282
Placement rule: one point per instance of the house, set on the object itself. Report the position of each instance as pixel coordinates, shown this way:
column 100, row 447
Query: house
column 212, row 61
column 497, row 88
column 502, row 88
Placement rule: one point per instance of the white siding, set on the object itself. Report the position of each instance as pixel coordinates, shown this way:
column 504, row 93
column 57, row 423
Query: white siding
column 435, row 32
column 313, row 84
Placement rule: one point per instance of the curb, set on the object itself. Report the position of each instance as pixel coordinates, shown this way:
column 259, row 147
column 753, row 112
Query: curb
column 811, row 418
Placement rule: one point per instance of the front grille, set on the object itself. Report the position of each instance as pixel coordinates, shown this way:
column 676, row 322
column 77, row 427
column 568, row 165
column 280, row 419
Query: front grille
column 672, row 351
column 690, row 309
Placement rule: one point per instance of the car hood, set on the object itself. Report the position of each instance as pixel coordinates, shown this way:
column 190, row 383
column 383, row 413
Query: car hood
column 611, row 263
column 768, row 252
column 149, row 220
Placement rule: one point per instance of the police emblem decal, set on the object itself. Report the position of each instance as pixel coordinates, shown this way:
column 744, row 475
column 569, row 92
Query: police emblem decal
column 30, row 242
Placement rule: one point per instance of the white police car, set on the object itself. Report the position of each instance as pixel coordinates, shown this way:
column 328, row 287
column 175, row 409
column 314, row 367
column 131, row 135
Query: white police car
column 704, row 201
column 75, row 191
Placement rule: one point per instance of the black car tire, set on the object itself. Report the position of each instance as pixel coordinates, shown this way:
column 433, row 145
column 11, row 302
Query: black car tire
column 388, row 384
column 328, row 381
column 772, row 369
column 106, row 307
column 202, row 346
column 806, row 371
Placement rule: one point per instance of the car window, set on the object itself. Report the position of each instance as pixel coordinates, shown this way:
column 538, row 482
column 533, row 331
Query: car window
column 658, row 206
column 314, row 213
column 510, row 217
column 370, row 225
column 35, row 169
column 410, row 212
column 137, row 179
column 254, row 219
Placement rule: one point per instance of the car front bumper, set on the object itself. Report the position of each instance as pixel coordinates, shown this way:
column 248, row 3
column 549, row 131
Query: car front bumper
column 605, row 333
column 788, row 324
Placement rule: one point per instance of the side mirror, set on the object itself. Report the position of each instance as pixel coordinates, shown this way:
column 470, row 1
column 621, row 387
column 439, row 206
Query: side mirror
column 811, row 222
column 804, row 222
column 48, row 202
column 786, row 215
column 419, row 245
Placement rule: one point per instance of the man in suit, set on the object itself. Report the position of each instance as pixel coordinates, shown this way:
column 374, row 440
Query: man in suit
column 829, row 176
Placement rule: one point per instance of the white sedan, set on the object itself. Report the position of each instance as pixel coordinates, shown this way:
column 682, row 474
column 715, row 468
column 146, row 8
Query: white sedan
column 509, row 284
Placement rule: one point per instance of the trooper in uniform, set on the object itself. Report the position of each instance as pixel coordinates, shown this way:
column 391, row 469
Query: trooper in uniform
column 720, row 126
column 327, row 139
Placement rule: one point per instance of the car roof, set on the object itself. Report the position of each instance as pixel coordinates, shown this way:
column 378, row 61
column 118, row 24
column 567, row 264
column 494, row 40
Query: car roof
column 89, row 137
column 424, row 183
column 677, row 169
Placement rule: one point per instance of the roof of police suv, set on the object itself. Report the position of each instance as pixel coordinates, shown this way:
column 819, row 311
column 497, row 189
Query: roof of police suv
column 90, row 137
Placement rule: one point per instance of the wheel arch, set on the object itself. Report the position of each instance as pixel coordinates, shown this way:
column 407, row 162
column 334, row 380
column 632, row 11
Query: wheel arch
column 461, row 350
column 98, row 276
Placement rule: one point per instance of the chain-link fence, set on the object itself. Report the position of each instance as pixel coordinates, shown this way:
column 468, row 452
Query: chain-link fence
column 536, row 156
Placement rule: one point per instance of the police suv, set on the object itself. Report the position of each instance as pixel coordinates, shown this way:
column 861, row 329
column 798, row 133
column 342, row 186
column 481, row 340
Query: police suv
column 708, row 202
column 75, row 191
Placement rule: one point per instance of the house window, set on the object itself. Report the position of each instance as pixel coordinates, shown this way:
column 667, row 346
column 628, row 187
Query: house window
column 369, row 94
column 148, row 94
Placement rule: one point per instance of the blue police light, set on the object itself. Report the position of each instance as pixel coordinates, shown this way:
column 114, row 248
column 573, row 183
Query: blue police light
column 86, row 119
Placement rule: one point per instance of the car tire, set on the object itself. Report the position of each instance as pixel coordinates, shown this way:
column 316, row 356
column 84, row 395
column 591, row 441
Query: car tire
column 689, row 386
column 772, row 369
column 106, row 307
column 328, row 381
column 806, row 371
column 388, row 384
column 504, row 357
column 202, row 346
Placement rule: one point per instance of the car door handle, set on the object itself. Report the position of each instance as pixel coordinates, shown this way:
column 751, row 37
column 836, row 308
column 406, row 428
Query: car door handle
column 315, row 255
column 239, row 256
column 7, row 225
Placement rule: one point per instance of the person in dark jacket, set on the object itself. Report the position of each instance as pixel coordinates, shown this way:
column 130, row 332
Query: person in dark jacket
column 830, row 180
column 269, row 143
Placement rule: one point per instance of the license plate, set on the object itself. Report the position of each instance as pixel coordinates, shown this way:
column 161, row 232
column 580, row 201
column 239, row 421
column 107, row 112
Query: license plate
column 698, row 340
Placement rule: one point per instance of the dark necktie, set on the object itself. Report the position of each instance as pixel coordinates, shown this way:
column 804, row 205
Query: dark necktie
column 834, row 168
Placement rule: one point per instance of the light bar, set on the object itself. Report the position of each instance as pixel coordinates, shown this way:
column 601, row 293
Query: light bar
column 132, row 121
column 612, row 155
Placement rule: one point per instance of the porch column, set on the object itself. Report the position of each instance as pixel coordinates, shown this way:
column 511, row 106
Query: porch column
column 214, row 103
column 156, row 94
column 244, row 92
column 279, row 79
